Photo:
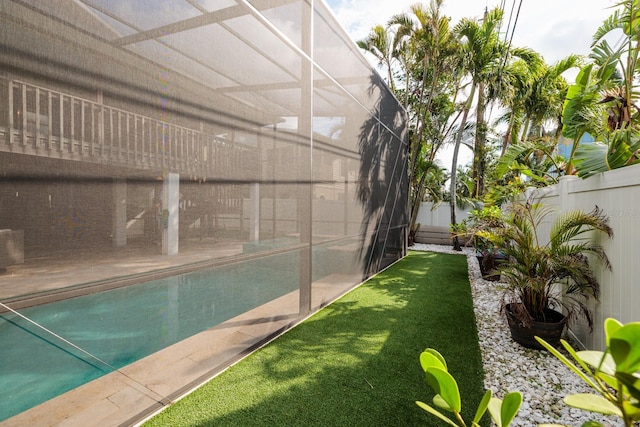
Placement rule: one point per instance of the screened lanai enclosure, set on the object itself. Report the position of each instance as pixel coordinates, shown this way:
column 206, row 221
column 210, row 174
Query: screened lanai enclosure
column 180, row 180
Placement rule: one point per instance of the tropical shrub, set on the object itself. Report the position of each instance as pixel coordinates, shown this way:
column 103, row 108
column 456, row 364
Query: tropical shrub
column 448, row 396
column 489, row 255
column 533, row 269
column 604, row 99
column 614, row 374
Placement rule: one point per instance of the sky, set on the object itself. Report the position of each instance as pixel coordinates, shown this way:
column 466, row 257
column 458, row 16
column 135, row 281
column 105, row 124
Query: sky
column 553, row 28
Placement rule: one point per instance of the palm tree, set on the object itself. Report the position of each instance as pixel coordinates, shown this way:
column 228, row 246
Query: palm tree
column 429, row 40
column 484, row 54
column 545, row 100
column 380, row 43
column 481, row 54
column 536, row 264
column 535, row 98
column 517, row 78
column 534, row 159
column 426, row 48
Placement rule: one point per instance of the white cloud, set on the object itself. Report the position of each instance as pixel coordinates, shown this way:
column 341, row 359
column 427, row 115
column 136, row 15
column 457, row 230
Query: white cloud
column 554, row 28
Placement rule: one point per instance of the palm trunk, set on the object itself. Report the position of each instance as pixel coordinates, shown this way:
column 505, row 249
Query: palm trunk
column 406, row 86
column 525, row 130
column 417, row 140
column 419, row 190
column 576, row 142
column 479, row 146
column 509, row 134
column 454, row 163
column 392, row 85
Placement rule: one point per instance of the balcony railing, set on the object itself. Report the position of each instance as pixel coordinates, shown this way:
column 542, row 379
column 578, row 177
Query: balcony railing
column 44, row 122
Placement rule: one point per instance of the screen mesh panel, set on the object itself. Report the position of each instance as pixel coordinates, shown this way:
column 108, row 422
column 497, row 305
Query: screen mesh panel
column 179, row 174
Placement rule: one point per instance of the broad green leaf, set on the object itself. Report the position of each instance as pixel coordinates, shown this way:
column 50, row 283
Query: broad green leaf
column 567, row 362
column 593, row 403
column 632, row 382
column 439, row 402
column 431, row 358
column 435, row 412
column 624, row 345
column 591, row 159
column 532, row 175
column 445, row 385
column 579, row 97
column 504, row 411
column 595, row 360
column 495, row 406
column 482, row 407
column 591, row 424
column 584, row 75
column 576, row 357
column 611, row 326
column 631, row 410
column 510, row 407
column 610, row 380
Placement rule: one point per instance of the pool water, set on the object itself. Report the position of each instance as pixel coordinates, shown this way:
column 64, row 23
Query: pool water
column 126, row 324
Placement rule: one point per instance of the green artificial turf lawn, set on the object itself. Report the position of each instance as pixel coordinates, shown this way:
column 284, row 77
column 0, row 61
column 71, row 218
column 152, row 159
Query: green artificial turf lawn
column 356, row 362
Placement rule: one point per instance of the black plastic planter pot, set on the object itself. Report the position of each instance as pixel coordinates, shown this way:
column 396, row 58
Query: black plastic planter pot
column 550, row 331
column 488, row 265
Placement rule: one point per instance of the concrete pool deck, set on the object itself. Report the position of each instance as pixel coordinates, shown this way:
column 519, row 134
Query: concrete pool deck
column 50, row 273
column 127, row 396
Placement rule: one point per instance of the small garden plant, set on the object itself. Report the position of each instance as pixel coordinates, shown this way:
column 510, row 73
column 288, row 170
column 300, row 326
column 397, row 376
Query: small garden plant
column 614, row 374
column 448, row 396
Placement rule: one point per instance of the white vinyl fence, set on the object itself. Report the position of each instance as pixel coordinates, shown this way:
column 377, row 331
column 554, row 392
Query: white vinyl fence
column 440, row 216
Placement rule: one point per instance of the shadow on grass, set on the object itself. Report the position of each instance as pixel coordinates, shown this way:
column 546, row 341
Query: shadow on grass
column 355, row 363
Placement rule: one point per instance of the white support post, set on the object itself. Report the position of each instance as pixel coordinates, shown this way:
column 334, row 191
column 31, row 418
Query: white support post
column 10, row 100
column 254, row 219
column 170, row 212
column 119, row 213
column 565, row 203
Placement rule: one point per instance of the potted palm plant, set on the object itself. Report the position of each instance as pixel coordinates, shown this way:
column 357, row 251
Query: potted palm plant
column 548, row 282
column 489, row 256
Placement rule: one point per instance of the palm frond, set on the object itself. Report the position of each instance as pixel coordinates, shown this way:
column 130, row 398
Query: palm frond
column 574, row 224
column 532, row 270
column 613, row 22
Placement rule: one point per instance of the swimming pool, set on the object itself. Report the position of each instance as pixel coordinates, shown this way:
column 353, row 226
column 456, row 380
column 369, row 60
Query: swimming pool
column 126, row 324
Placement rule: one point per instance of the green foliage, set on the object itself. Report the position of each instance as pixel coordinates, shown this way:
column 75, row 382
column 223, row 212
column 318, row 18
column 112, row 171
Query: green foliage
column 420, row 55
column 534, row 266
column 603, row 100
column 580, row 106
column 448, row 398
column 614, row 374
column 619, row 149
column 489, row 216
column 481, row 221
column 534, row 159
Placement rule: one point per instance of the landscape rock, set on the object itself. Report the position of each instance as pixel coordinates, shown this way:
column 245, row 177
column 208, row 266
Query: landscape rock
column 542, row 379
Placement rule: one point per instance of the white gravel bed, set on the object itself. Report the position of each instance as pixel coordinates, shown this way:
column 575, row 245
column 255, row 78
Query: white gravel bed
column 538, row 375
